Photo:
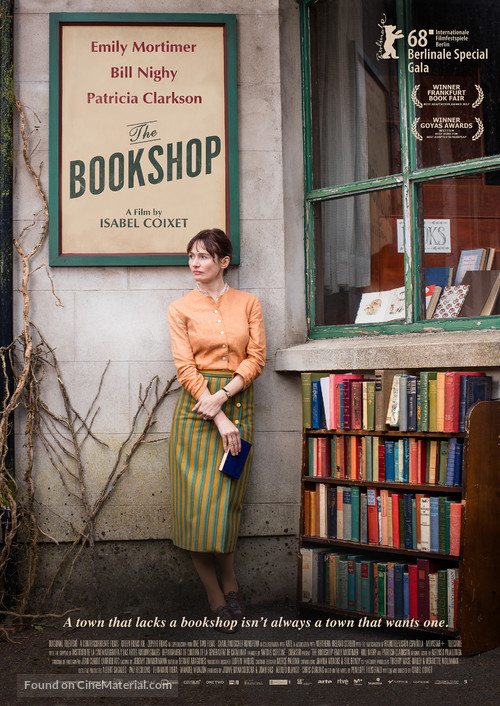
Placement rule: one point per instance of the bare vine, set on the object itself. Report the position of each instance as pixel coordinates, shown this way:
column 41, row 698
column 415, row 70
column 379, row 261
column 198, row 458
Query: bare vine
column 26, row 362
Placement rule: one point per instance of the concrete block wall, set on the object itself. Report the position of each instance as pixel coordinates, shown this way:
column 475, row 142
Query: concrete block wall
column 118, row 314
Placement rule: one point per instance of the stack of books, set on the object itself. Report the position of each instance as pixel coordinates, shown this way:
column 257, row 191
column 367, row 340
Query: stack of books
column 421, row 594
column 410, row 521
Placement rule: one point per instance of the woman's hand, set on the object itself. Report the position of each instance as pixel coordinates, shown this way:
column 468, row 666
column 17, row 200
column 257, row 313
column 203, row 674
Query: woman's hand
column 230, row 434
column 208, row 406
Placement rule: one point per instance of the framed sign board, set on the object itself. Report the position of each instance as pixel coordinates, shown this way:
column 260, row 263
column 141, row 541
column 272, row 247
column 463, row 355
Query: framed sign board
column 143, row 136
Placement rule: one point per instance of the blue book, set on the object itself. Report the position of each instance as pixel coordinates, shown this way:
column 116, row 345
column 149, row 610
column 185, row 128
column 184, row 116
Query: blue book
column 355, row 514
column 316, row 405
column 450, row 466
column 438, row 275
column 406, row 460
column 473, row 388
column 331, row 511
column 459, row 452
column 389, row 461
column 390, row 589
column 347, row 514
column 351, row 582
column 406, row 596
column 396, row 462
column 233, row 465
column 412, row 402
column 434, row 503
column 408, row 524
column 399, row 570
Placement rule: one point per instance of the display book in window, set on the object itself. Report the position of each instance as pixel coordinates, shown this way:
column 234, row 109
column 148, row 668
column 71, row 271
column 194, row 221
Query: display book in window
column 418, row 527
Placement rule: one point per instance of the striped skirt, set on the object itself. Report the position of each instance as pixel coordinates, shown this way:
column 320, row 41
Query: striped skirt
column 206, row 504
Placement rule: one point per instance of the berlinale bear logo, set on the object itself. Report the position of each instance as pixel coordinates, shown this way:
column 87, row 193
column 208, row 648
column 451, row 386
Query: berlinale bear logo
column 388, row 36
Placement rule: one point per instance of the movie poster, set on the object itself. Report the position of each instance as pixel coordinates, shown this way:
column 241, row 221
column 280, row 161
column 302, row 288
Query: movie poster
column 348, row 652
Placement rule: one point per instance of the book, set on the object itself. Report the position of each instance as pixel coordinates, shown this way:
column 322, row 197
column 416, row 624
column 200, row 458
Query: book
column 233, row 465
column 442, row 276
column 377, row 307
column 481, row 299
column 331, row 513
column 306, row 380
column 317, row 409
column 451, row 301
column 432, row 299
column 469, row 260
column 475, row 388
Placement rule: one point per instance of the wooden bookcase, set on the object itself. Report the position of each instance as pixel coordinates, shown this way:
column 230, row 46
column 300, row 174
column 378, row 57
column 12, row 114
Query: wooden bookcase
column 478, row 609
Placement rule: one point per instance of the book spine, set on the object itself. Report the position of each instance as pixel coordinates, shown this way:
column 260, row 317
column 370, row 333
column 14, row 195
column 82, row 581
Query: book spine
column 306, row 380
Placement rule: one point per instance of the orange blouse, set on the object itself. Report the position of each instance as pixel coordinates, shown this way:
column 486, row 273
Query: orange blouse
column 228, row 335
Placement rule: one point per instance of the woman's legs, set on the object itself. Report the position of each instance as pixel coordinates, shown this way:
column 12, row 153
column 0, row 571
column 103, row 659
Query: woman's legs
column 205, row 565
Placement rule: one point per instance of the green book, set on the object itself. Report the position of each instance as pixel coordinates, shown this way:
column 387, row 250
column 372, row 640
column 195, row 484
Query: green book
column 370, row 404
column 382, row 587
column 425, row 375
column 333, row 455
column 443, row 460
column 341, row 574
column 369, row 457
column 310, row 459
column 442, row 595
column 433, row 404
column 442, row 524
column 306, row 379
column 355, row 514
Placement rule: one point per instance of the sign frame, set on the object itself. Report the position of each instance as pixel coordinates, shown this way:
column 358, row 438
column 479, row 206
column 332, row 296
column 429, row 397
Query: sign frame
column 57, row 256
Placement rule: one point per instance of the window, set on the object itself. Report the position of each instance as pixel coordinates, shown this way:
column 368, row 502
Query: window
column 402, row 163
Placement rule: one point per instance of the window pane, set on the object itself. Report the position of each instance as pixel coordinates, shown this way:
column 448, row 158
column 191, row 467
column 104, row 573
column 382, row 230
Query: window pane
column 354, row 97
column 455, row 76
column 462, row 228
column 356, row 253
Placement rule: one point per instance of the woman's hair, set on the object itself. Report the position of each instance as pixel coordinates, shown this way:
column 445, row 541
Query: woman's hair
column 215, row 242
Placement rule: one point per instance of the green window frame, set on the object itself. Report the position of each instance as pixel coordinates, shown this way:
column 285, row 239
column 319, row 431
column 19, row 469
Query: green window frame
column 408, row 180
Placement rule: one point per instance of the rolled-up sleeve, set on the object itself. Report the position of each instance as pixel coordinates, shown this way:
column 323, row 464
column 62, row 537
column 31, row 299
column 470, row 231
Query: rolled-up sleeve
column 252, row 366
column 187, row 373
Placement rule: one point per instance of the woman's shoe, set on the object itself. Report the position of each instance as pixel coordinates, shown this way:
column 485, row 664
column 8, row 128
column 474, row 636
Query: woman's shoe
column 225, row 621
column 234, row 604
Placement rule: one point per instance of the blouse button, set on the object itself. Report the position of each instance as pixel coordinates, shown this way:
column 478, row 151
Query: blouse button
column 215, row 311
column 223, row 345
column 219, row 321
column 238, row 404
column 223, row 357
column 222, row 332
column 236, row 421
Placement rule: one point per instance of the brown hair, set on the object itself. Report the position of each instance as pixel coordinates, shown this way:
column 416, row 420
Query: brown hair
column 215, row 241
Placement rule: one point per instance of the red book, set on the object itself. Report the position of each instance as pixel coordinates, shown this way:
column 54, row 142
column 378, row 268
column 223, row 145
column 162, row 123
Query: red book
column 335, row 379
column 413, row 590
column 324, row 456
column 455, row 525
column 381, row 462
column 396, row 497
column 421, row 460
column 452, row 398
column 413, row 476
column 424, row 568
column 356, row 405
column 371, row 494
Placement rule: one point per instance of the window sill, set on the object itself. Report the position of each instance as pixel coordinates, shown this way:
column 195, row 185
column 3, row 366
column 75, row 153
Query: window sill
column 453, row 349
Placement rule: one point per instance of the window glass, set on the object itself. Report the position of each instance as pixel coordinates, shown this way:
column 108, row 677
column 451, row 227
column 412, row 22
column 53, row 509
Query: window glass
column 462, row 234
column 354, row 96
column 456, row 65
column 359, row 271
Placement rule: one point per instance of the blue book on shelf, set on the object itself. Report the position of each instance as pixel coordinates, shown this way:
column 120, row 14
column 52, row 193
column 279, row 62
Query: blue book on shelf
column 406, row 460
column 406, row 596
column 459, row 452
column 450, row 466
column 355, row 514
column 316, row 405
column 351, row 582
column 331, row 511
column 399, row 570
column 389, row 461
column 473, row 388
column 396, row 463
column 434, row 514
column 408, row 524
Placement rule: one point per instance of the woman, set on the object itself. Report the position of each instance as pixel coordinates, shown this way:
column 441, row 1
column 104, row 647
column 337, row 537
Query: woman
column 218, row 345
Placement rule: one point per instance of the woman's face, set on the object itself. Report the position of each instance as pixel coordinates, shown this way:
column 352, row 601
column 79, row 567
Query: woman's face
column 205, row 268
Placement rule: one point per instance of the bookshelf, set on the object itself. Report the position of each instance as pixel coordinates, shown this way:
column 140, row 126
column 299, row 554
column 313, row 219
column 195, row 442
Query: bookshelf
column 465, row 574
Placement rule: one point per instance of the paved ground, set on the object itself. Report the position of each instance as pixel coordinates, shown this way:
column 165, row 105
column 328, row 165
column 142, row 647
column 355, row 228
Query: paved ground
column 362, row 657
